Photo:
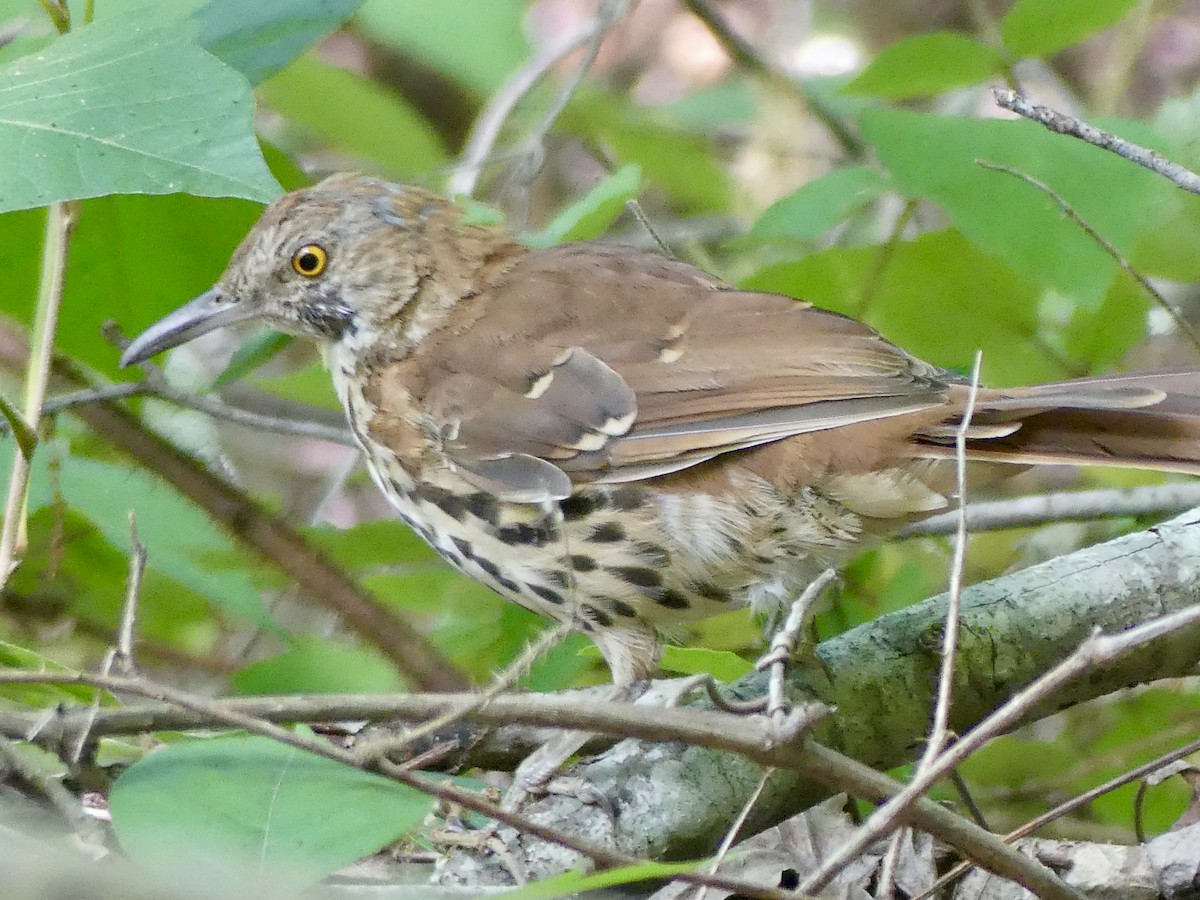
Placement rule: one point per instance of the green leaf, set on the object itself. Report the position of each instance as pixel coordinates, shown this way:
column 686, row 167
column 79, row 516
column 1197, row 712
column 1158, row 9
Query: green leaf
column 720, row 664
column 591, row 215
column 940, row 297
column 352, row 112
column 1006, row 216
column 680, row 163
column 314, row 665
column 926, row 64
column 573, row 884
column 255, row 351
column 475, row 42
column 1043, row 27
column 816, row 207
column 383, row 542
column 176, row 534
column 260, row 38
column 227, row 809
column 124, row 107
column 21, row 432
column 41, row 696
column 133, row 259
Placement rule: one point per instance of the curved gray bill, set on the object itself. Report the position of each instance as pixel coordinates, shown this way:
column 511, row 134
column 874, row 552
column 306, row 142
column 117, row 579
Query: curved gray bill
column 206, row 313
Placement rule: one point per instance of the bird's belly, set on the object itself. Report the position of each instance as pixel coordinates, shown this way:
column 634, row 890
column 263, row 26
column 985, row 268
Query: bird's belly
column 623, row 554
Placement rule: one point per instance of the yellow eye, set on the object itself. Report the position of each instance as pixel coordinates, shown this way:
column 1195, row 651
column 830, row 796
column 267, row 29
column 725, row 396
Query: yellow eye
column 310, row 260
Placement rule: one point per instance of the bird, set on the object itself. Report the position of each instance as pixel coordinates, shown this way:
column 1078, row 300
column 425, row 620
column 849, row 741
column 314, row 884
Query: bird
column 618, row 440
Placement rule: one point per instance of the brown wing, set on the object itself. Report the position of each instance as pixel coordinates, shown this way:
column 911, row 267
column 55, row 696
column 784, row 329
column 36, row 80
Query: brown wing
column 605, row 365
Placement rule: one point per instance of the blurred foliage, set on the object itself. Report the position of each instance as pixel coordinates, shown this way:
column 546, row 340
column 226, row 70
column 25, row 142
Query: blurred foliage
column 146, row 116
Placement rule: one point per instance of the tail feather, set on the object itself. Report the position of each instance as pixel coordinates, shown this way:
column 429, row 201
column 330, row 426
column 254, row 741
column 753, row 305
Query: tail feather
column 1146, row 421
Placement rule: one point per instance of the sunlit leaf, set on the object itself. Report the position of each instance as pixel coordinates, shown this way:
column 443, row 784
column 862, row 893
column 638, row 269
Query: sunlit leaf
column 591, row 215
column 1043, row 27
column 926, row 64
column 816, row 207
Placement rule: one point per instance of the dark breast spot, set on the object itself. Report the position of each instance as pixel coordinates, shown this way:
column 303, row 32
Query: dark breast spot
column 624, row 609
column 628, row 498
column 548, row 594
column 523, row 533
column 607, row 533
column 673, row 600
column 710, row 591
column 597, row 617
column 453, row 505
column 652, row 554
column 464, row 547
column 581, row 563
column 483, row 506
column 582, row 505
column 638, row 576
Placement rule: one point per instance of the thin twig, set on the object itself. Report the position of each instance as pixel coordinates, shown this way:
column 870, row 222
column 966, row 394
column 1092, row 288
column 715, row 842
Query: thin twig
column 939, row 731
column 708, row 728
column 1070, row 806
column 133, row 590
column 748, row 58
column 941, row 716
column 60, row 219
column 783, row 645
column 1021, row 512
column 445, row 791
column 1069, row 211
column 487, row 127
column 1069, row 125
column 1097, row 651
column 504, row 680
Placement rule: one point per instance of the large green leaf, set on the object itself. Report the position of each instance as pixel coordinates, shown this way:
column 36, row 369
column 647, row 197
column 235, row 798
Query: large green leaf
column 126, row 107
column 682, row 164
column 177, row 536
column 937, row 158
column 1043, row 27
column 926, row 64
column 939, row 297
column 248, row 807
column 591, row 215
column 358, row 115
column 477, row 43
column 258, row 39
column 132, row 259
column 814, row 208
column 314, row 665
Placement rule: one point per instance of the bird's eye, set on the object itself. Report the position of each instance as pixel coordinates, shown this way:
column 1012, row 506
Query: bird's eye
column 310, row 260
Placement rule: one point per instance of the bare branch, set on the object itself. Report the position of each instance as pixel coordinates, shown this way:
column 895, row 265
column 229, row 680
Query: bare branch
column 1105, row 140
column 1021, row 512
column 1069, row 211
column 486, row 130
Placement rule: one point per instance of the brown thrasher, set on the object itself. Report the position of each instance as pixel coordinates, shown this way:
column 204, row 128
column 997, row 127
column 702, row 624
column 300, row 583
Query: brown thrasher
column 620, row 440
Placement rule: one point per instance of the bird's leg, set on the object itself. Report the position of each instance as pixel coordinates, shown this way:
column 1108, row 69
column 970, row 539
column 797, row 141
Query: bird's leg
column 632, row 654
column 785, row 722
column 538, row 772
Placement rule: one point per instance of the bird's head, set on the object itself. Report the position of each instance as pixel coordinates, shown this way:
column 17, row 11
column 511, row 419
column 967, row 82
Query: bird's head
column 335, row 261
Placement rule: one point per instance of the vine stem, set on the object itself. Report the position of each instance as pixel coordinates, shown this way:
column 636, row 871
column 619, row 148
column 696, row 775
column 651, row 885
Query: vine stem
column 60, row 219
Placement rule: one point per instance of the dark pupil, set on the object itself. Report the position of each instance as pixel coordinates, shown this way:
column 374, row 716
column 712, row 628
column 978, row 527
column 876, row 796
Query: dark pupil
column 309, row 262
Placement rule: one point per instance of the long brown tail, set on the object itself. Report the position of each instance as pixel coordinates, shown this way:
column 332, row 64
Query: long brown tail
column 1145, row 421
